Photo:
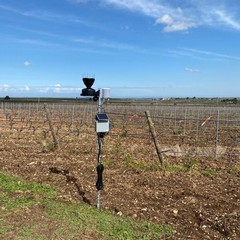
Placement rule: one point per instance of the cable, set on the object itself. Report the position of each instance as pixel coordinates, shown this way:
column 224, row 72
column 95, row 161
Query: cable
column 100, row 168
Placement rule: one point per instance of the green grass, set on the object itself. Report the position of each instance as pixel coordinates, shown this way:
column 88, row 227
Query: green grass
column 36, row 211
column 173, row 167
column 211, row 173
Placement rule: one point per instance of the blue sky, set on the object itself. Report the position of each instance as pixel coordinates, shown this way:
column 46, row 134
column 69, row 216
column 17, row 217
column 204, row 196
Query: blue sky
column 137, row 48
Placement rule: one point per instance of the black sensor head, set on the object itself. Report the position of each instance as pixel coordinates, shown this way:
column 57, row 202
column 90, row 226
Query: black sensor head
column 88, row 91
column 88, row 82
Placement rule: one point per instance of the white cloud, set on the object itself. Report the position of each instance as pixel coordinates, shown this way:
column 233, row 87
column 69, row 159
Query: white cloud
column 178, row 26
column 104, row 43
column 147, row 7
column 208, row 54
column 192, row 70
column 48, row 16
column 27, row 88
column 63, row 90
column 189, row 15
column 43, row 89
column 4, row 87
column 10, row 89
column 165, row 19
column 57, row 88
column 26, row 63
column 174, row 15
column 227, row 19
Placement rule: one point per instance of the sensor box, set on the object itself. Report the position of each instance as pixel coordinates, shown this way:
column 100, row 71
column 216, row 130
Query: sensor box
column 102, row 123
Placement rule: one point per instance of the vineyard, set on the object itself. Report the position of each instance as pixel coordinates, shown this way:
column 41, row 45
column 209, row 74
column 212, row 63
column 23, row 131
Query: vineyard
column 196, row 190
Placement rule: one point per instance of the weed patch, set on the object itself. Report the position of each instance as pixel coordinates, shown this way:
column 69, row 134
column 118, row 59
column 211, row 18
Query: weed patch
column 36, row 211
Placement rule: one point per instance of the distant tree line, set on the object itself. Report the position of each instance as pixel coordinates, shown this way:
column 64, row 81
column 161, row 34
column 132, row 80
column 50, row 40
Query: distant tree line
column 7, row 98
column 230, row 100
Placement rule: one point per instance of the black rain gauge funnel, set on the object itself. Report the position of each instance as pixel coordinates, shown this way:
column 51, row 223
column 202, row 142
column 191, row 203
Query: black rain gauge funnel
column 101, row 127
column 88, row 82
column 88, row 91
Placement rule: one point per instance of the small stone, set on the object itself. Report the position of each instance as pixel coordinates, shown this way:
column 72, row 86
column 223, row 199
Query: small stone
column 175, row 212
column 119, row 213
column 31, row 163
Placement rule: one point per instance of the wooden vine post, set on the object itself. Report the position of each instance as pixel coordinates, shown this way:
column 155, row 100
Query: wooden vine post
column 55, row 140
column 154, row 136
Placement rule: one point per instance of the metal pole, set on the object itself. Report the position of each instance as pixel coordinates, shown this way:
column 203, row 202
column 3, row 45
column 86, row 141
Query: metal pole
column 100, row 168
column 100, row 102
column 217, row 130
column 98, row 182
column 72, row 124
column 185, row 122
column 196, row 141
column 98, row 199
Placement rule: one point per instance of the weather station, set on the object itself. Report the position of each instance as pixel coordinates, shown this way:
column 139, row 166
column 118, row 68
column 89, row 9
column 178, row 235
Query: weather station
column 102, row 126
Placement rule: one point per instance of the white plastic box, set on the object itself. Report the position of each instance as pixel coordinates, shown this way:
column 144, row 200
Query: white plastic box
column 102, row 123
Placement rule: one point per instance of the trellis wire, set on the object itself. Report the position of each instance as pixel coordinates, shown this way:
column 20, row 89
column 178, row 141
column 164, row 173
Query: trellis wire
column 172, row 122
